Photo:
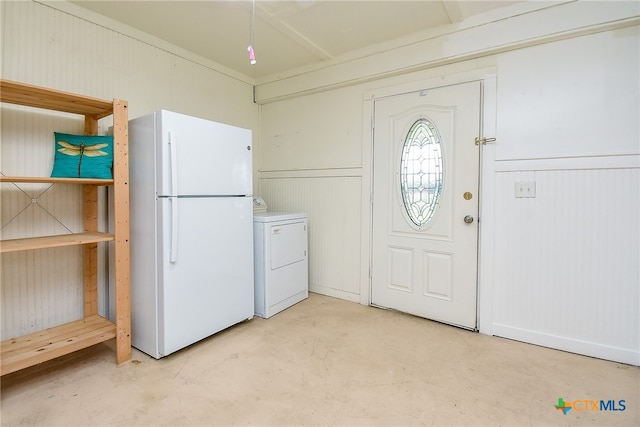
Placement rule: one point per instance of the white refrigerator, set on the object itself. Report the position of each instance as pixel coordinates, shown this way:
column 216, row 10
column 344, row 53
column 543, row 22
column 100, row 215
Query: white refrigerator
column 191, row 230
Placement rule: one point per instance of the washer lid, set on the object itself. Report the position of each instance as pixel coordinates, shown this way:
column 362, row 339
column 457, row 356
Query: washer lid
column 277, row 216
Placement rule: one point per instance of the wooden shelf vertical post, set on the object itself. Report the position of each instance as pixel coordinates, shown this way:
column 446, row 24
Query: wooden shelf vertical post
column 121, row 224
column 90, row 250
column 90, row 223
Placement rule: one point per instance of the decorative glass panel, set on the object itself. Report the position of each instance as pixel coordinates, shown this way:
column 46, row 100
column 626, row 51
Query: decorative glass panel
column 421, row 172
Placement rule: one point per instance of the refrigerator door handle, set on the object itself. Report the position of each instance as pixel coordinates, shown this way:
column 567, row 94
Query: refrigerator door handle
column 174, row 166
column 173, row 254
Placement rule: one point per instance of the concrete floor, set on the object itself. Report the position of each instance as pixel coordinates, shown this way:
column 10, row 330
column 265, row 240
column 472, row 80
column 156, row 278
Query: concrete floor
column 325, row 362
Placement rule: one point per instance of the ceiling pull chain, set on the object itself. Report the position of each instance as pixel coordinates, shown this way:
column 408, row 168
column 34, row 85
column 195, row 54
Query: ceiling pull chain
column 252, row 54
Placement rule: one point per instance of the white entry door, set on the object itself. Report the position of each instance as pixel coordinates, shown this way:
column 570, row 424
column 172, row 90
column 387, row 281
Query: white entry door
column 425, row 203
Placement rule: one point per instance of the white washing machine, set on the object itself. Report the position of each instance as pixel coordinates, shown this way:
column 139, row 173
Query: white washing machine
column 281, row 261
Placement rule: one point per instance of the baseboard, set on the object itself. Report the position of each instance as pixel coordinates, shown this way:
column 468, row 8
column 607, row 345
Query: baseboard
column 336, row 293
column 600, row 351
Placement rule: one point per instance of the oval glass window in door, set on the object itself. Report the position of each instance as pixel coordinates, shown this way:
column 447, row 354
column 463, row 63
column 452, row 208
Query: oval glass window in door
column 421, row 172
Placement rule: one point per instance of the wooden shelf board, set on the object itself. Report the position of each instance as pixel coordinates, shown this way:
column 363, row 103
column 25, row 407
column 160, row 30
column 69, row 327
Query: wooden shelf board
column 46, row 242
column 48, row 180
column 38, row 347
column 50, row 99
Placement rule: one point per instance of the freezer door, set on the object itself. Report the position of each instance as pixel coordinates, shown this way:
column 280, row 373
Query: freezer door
column 199, row 157
column 206, row 283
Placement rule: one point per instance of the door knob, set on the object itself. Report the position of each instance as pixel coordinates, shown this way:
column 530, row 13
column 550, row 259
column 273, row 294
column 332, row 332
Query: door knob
column 468, row 219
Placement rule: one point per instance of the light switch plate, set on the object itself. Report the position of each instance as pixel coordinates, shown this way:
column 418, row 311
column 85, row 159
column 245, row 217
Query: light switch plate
column 526, row 189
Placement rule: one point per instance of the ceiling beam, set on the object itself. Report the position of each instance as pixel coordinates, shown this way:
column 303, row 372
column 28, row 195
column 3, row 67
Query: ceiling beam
column 276, row 21
column 453, row 9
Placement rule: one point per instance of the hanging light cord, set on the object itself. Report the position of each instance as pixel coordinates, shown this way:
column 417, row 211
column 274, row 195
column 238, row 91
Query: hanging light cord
column 252, row 54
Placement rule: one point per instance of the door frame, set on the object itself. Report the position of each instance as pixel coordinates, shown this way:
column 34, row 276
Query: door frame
column 488, row 95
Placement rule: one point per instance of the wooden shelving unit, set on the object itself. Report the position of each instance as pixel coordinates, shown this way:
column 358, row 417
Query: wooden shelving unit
column 21, row 352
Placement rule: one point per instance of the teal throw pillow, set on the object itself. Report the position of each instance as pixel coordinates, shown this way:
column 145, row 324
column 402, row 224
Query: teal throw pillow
column 83, row 156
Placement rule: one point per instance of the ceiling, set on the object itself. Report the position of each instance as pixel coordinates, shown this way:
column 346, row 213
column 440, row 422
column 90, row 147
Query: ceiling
column 287, row 35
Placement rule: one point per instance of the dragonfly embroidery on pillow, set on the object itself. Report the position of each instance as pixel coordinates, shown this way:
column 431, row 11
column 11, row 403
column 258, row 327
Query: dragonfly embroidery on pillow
column 82, row 150
column 83, row 156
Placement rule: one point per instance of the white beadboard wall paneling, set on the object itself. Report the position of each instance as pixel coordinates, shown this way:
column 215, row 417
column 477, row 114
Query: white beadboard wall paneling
column 40, row 289
column 333, row 206
column 45, row 44
column 26, row 129
column 566, row 262
column 145, row 38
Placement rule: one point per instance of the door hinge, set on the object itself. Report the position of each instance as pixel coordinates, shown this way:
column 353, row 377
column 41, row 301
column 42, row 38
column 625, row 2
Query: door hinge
column 484, row 141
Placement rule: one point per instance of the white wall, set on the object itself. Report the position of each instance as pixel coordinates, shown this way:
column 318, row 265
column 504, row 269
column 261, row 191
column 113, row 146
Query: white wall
column 311, row 161
column 60, row 46
column 560, row 269
column 575, row 97
column 565, row 263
